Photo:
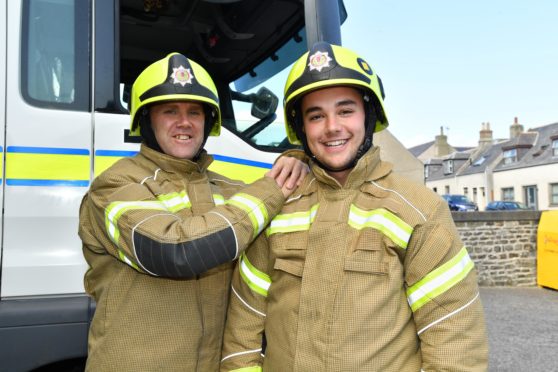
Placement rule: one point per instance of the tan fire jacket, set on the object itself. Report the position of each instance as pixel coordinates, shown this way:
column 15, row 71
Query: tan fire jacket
column 159, row 235
column 371, row 276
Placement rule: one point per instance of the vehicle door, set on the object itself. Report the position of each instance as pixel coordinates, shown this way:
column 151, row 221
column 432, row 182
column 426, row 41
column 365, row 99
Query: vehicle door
column 47, row 145
column 3, row 53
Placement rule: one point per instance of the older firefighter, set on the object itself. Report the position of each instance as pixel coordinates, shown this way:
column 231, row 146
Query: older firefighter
column 160, row 231
column 364, row 270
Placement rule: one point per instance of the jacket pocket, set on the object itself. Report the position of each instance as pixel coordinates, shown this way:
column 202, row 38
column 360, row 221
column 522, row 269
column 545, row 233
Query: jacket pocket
column 290, row 267
column 369, row 267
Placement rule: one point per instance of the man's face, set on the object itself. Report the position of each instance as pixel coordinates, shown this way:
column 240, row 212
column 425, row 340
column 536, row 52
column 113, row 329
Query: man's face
column 178, row 127
column 334, row 126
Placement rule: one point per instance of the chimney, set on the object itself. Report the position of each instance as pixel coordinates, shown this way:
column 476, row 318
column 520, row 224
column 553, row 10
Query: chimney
column 441, row 144
column 515, row 129
column 485, row 135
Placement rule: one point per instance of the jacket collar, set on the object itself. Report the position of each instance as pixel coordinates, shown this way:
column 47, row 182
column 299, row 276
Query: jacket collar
column 171, row 164
column 369, row 168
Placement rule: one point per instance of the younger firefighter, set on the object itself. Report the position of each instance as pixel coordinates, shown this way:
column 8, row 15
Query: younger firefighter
column 365, row 270
column 160, row 231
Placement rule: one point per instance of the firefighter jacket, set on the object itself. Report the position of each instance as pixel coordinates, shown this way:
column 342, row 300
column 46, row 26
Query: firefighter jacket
column 159, row 235
column 371, row 276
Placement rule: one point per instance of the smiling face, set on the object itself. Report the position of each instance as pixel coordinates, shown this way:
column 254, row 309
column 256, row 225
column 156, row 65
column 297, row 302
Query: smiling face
column 178, row 127
column 334, row 127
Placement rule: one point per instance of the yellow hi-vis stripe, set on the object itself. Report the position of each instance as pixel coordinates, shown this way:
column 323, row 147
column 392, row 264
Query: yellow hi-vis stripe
column 257, row 280
column 439, row 280
column 255, row 209
column 383, row 220
column 117, row 209
column 172, row 202
column 218, row 199
column 291, row 222
column 175, row 201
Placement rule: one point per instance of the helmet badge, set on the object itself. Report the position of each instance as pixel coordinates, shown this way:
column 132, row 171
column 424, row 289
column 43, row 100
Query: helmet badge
column 181, row 75
column 319, row 60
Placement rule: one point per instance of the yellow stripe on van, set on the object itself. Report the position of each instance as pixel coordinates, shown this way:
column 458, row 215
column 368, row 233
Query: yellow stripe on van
column 37, row 166
column 244, row 173
column 44, row 166
column 102, row 163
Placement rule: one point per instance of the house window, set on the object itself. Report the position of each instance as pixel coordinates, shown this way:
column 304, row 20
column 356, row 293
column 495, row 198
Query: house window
column 475, row 194
column 554, row 193
column 465, row 191
column 448, row 166
column 507, row 194
column 483, row 192
column 510, row 156
column 435, row 189
column 426, row 171
column 447, row 189
column 555, row 147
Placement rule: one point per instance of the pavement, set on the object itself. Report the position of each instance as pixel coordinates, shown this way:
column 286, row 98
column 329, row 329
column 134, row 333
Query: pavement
column 522, row 328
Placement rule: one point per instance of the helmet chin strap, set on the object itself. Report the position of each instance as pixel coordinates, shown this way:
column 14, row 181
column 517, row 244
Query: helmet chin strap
column 207, row 125
column 146, row 130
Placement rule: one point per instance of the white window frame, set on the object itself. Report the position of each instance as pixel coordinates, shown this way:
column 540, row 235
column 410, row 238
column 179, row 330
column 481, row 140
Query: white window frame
column 510, row 156
column 553, row 191
column 448, row 166
column 505, row 192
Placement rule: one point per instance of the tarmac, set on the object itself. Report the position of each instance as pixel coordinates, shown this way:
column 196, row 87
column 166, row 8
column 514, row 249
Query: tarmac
column 522, row 325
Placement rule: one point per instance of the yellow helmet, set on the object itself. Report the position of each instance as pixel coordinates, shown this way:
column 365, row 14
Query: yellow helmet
column 327, row 65
column 174, row 78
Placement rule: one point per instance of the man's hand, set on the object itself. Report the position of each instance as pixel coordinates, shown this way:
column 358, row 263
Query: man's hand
column 289, row 173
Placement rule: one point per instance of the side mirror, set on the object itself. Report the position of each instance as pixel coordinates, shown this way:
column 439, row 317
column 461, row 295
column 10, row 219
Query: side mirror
column 264, row 103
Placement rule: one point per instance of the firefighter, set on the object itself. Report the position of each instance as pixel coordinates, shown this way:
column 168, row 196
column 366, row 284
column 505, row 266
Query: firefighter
column 364, row 269
column 160, row 231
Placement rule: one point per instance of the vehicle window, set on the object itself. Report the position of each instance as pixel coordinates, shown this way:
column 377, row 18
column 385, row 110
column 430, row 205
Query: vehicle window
column 460, row 199
column 55, row 54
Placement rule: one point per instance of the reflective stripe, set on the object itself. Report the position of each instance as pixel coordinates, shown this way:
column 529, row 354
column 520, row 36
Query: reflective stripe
column 440, row 280
column 383, row 220
column 257, row 280
column 218, row 199
column 290, row 222
column 255, row 209
column 125, row 259
column 172, row 202
column 249, row 369
column 117, row 209
column 175, row 201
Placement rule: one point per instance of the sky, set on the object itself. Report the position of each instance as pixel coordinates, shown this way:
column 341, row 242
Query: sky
column 458, row 64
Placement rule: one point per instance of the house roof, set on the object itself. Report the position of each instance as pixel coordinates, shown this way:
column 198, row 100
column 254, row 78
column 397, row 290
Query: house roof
column 419, row 149
column 485, row 158
column 541, row 151
column 436, row 170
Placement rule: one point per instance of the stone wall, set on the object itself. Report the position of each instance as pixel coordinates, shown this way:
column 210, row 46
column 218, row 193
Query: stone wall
column 503, row 245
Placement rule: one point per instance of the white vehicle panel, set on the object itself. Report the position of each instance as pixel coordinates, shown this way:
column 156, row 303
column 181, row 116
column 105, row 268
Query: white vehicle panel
column 42, row 189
